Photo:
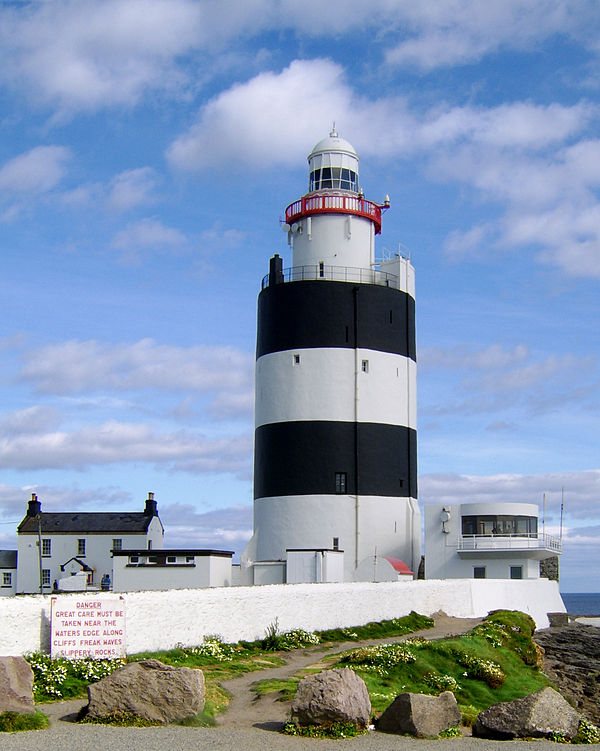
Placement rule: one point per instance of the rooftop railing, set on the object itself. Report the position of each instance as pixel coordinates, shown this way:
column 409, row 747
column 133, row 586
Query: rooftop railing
column 334, row 204
column 533, row 541
column 333, row 273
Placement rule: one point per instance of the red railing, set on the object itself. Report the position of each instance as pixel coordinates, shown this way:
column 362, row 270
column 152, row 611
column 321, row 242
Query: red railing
column 332, row 204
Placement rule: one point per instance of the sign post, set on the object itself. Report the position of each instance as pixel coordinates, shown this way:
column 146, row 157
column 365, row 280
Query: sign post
column 90, row 626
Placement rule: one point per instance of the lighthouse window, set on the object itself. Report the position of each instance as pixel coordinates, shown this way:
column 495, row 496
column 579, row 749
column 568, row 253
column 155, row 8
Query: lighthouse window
column 340, row 482
column 326, row 178
column 479, row 572
column 365, row 366
column 516, row 572
column 296, row 359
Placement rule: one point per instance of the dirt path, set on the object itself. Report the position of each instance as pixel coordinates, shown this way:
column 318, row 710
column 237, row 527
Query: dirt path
column 247, row 708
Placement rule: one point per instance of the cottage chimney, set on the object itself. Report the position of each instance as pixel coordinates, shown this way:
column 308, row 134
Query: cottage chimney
column 34, row 507
column 151, row 506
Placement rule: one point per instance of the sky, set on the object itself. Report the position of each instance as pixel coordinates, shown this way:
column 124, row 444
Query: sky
column 148, row 149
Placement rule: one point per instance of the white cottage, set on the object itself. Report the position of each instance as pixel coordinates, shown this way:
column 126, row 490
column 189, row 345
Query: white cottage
column 485, row 541
column 55, row 545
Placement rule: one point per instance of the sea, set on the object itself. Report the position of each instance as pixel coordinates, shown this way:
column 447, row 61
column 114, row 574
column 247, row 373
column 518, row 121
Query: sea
column 582, row 603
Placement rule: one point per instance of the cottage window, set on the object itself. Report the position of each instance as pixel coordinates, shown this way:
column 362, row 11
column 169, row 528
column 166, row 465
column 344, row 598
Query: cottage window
column 46, row 546
column 189, row 559
column 117, row 544
column 134, row 559
column 6, row 579
column 80, row 547
column 45, row 577
column 171, row 559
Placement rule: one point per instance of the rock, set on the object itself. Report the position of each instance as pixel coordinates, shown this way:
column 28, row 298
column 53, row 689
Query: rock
column 420, row 715
column 16, row 685
column 150, row 690
column 535, row 716
column 572, row 662
column 332, row 696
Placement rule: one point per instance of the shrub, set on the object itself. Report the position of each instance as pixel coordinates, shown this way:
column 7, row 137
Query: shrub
column 56, row 678
column 440, row 683
column 13, row 722
column 587, row 733
column 380, row 658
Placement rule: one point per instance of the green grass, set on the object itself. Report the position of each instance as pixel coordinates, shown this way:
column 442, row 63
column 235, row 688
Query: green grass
column 504, row 639
column 378, row 630
column 13, row 722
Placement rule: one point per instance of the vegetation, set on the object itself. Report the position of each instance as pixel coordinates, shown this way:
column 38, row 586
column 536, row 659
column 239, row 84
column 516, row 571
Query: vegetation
column 61, row 678
column 496, row 661
column 333, row 730
column 13, row 722
column 378, row 630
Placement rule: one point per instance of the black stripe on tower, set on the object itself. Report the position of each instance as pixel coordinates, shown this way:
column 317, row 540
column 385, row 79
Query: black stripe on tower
column 306, row 457
column 301, row 315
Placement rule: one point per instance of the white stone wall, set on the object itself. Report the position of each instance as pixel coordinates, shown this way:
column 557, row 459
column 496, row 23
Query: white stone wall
column 160, row 620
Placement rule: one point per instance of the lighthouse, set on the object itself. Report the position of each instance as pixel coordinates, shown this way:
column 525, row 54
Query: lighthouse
column 335, row 462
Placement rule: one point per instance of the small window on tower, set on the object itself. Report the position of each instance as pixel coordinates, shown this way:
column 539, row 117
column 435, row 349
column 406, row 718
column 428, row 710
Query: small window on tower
column 321, row 269
column 340, row 482
column 479, row 572
column 516, row 572
column 336, row 543
column 365, row 366
column 296, row 359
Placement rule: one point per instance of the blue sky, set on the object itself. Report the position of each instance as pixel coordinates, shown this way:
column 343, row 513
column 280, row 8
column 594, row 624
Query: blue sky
column 148, row 149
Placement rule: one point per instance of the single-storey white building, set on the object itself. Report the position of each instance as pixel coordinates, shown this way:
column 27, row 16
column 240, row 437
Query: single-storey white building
column 135, row 570
column 485, row 541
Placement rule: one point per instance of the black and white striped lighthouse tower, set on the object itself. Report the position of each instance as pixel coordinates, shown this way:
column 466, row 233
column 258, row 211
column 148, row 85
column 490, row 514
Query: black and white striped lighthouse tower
column 335, row 414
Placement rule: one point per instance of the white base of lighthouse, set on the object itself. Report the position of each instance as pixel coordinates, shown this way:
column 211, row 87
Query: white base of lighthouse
column 342, row 522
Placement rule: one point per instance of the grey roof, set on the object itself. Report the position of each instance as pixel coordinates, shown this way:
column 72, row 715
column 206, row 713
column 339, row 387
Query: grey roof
column 8, row 559
column 173, row 551
column 89, row 522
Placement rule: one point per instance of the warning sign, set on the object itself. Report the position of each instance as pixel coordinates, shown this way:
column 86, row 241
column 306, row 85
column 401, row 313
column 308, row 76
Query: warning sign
column 87, row 627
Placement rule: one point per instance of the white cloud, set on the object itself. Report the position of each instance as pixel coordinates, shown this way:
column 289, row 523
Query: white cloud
column 116, row 442
column 147, row 235
column 496, row 379
column 79, row 366
column 36, row 171
column 250, row 123
column 133, row 187
column 85, row 54
column 581, row 491
column 460, row 31
column 28, row 421
column 493, row 356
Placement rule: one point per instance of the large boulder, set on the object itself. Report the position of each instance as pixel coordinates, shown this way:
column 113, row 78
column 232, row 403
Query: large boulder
column 420, row 715
column 150, row 690
column 16, row 685
column 332, row 696
column 538, row 715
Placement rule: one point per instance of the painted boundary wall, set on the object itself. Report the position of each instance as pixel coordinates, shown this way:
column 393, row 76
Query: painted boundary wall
column 160, row 620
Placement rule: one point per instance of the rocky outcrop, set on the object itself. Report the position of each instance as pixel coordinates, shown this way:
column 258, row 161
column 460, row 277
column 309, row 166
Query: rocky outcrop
column 572, row 662
column 538, row 715
column 149, row 690
column 332, row 696
column 16, row 685
column 420, row 715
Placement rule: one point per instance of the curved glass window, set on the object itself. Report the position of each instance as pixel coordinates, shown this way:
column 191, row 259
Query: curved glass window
column 499, row 525
column 338, row 178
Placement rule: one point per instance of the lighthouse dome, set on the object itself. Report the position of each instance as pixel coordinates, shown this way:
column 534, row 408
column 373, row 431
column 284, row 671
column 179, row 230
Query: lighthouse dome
column 333, row 164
